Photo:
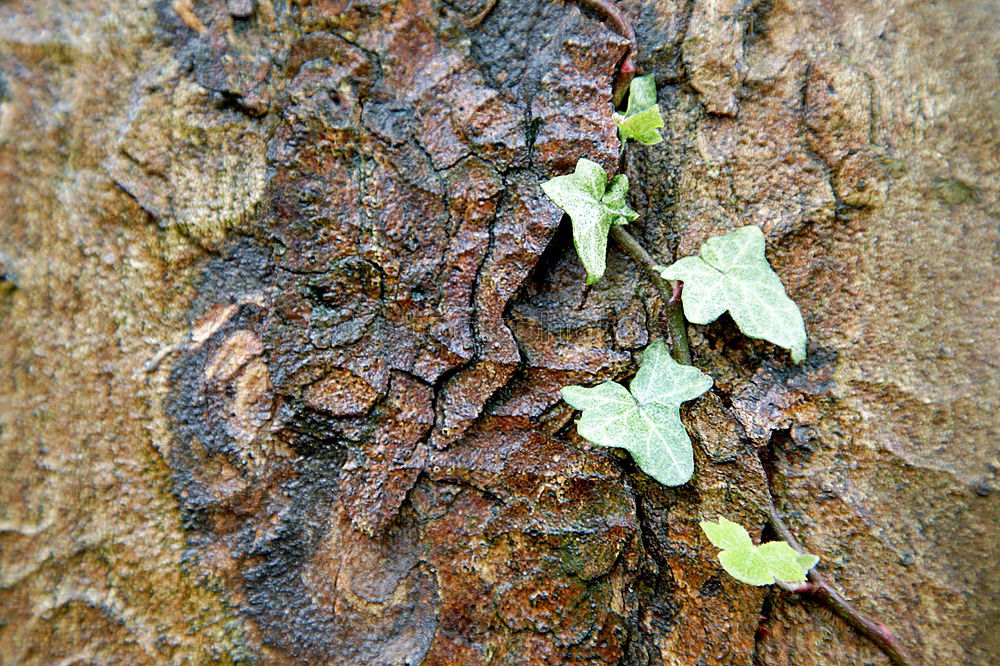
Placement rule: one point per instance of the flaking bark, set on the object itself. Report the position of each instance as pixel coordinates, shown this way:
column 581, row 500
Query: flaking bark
column 322, row 221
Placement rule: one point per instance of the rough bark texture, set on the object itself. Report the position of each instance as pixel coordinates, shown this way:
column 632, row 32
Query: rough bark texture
column 284, row 316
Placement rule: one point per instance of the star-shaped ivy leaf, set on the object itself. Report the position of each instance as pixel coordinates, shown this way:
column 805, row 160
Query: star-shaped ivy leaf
column 594, row 207
column 731, row 273
column 645, row 420
column 642, row 120
column 756, row 565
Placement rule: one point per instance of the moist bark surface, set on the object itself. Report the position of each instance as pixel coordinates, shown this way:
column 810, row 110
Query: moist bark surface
column 284, row 315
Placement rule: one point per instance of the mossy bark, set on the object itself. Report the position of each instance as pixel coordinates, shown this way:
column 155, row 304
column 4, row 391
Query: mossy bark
column 284, row 316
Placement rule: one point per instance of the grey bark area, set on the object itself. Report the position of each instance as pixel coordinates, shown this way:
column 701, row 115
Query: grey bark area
column 284, row 315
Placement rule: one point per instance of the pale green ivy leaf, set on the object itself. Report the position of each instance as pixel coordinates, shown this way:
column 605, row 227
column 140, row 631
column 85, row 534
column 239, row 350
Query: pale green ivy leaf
column 726, row 534
column 807, row 562
column 731, row 273
column 642, row 120
column 594, row 207
column 756, row 565
column 644, row 420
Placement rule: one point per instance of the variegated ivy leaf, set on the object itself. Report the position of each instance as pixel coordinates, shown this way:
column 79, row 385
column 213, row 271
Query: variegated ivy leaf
column 731, row 273
column 594, row 207
column 756, row 565
column 646, row 419
column 642, row 120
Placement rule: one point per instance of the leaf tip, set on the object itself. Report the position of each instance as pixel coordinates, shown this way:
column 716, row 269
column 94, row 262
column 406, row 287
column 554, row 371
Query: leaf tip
column 807, row 561
column 799, row 353
column 676, row 476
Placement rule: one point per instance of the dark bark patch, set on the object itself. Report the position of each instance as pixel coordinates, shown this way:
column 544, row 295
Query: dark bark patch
column 329, row 420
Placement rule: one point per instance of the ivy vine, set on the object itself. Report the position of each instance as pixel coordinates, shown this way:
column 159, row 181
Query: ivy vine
column 729, row 274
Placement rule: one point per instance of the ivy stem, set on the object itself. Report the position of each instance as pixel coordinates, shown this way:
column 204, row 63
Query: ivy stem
column 669, row 293
column 817, row 587
column 821, row 591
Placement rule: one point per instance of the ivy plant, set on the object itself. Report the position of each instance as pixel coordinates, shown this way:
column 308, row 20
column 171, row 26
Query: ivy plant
column 756, row 565
column 594, row 206
column 731, row 274
column 642, row 120
column 645, row 418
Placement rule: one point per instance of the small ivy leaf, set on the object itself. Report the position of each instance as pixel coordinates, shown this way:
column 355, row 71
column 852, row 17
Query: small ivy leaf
column 756, row 565
column 646, row 421
column 614, row 199
column 663, row 380
column 642, row 120
column 726, row 534
column 594, row 207
column 731, row 273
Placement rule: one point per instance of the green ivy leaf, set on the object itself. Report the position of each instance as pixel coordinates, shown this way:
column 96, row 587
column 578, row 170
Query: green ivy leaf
column 594, row 207
column 756, row 565
column 731, row 273
column 642, row 120
column 807, row 562
column 646, row 420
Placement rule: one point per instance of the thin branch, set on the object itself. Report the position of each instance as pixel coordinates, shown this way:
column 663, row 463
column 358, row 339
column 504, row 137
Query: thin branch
column 669, row 292
column 821, row 591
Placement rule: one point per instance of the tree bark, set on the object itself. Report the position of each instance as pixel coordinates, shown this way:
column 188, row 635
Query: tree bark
column 284, row 315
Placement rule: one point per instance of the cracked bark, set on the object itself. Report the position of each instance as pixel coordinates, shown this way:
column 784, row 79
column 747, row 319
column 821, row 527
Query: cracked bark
column 322, row 221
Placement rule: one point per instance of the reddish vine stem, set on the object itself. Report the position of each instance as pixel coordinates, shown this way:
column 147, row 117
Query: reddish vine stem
column 669, row 294
column 818, row 589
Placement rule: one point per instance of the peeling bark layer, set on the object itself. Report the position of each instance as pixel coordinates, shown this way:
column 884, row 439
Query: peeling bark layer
column 285, row 315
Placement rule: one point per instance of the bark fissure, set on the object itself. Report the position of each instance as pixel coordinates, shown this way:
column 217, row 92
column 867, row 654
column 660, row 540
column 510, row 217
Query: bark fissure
column 296, row 204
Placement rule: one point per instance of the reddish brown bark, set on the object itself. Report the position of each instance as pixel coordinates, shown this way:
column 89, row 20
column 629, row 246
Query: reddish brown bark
column 285, row 315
